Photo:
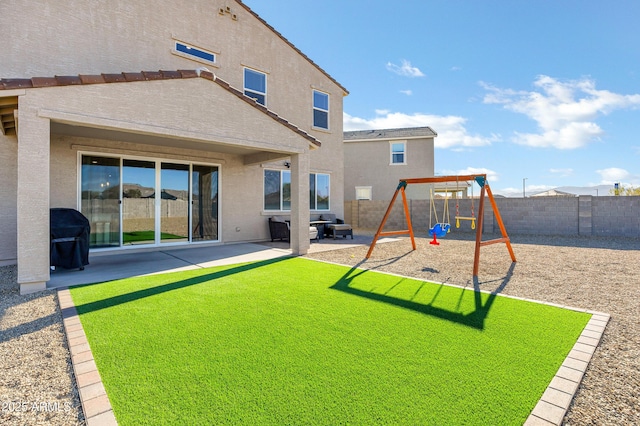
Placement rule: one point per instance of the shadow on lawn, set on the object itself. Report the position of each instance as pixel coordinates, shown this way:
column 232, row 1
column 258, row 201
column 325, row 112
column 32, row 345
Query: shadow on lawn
column 141, row 294
column 474, row 319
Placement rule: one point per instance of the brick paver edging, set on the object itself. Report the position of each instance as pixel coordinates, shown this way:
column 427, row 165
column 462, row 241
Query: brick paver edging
column 555, row 401
column 95, row 402
column 550, row 410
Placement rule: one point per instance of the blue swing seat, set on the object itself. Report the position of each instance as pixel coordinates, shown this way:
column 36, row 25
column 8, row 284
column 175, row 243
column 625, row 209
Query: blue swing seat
column 439, row 229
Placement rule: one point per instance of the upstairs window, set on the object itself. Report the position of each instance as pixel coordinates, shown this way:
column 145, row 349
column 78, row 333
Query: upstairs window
column 320, row 110
column 398, row 153
column 255, row 85
column 194, row 53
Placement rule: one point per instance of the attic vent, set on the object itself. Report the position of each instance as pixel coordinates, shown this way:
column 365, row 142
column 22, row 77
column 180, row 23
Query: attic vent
column 227, row 11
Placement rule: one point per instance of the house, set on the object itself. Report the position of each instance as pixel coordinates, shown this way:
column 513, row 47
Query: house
column 375, row 161
column 107, row 106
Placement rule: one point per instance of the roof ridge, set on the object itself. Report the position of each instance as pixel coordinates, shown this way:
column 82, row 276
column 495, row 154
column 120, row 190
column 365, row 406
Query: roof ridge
column 129, row 77
column 276, row 32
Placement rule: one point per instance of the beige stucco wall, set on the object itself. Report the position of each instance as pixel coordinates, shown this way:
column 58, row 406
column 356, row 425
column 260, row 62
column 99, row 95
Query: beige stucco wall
column 8, row 194
column 111, row 37
column 368, row 163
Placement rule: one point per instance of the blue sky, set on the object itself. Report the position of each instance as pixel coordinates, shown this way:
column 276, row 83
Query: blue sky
column 543, row 90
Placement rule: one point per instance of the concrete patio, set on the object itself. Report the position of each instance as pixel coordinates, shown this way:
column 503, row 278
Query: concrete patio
column 123, row 264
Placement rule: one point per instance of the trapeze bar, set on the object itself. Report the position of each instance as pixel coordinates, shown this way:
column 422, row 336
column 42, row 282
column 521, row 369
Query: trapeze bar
column 465, row 218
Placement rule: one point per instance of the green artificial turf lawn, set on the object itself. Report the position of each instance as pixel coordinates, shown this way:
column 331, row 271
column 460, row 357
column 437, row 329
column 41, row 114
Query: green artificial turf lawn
column 295, row 341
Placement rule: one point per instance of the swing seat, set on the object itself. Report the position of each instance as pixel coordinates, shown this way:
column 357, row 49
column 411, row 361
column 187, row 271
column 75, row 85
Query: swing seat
column 440, row 230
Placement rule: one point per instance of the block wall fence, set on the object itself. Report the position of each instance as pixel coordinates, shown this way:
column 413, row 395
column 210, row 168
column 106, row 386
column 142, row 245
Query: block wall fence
column 617, row 216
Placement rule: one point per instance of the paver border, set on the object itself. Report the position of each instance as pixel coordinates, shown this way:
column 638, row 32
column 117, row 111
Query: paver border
column 93, row 397
column 550, row 409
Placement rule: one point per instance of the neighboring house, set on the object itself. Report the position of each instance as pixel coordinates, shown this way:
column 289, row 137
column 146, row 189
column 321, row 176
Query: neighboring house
column 177, row 123
column 376, row 160
column 554, row 193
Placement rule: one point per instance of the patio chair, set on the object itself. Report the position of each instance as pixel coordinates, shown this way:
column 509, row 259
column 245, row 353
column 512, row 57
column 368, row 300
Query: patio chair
column 279, row 229
column 337, row 227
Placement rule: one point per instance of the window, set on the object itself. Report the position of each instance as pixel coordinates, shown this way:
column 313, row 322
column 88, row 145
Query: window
column 398, row 152
column 319, row 191
column 277, row 190
column 255, row 85
column 190, row 52
column 363, row 192
column 320, row 110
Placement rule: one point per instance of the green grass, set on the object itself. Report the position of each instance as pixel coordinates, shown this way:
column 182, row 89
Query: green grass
column 143, row 236
column 295, row 341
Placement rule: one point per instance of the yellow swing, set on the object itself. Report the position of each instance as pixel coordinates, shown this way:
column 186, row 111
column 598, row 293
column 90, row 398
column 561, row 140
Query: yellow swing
column 472, row 218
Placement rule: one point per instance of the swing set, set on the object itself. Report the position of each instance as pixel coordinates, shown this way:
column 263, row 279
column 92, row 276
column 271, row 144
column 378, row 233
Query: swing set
column 440, row 229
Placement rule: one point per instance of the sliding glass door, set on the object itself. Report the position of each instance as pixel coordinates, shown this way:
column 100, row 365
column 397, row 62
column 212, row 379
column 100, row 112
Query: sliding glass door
column 148, row 202
column 205, row 203
column 174, row 203
column 138, row 202
column 100, row 199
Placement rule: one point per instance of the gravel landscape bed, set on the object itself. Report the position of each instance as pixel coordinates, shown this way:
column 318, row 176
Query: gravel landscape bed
column 36, row 378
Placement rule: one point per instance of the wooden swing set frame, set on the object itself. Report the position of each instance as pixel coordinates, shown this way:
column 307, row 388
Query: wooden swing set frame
column 481, row 180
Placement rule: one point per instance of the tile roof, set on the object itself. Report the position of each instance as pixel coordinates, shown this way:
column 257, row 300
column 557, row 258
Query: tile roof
column 125, row 77
column 248, row 9
column 409, row 132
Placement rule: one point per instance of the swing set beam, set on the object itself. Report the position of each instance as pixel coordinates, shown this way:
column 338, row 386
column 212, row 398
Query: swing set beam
column 481, row 180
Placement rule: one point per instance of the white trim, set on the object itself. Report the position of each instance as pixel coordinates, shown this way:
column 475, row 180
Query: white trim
column 158, row 165
column 404, row 152
column 314, row 108
column 367, row 188
column 195, row 58
column 244, row 84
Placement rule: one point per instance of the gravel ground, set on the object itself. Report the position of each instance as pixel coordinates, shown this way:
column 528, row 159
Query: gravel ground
column 592, row 273
column 36, row 378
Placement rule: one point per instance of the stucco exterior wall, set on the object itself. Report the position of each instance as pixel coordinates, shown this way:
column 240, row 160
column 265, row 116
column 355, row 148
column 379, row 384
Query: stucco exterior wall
column 112, row 37
column 193, row 119
column 368, row 163
column 8, row 200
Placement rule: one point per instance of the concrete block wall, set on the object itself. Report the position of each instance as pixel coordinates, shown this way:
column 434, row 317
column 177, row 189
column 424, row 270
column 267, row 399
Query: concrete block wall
column 584, row 215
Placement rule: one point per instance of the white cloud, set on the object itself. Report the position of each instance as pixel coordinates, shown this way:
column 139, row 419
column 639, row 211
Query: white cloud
column 612, row 175
column 564, row 111
column 492, row 176
column 405, row 69
column 451, row 129
column 455, row 68
column 561, row 172
column 407, row 92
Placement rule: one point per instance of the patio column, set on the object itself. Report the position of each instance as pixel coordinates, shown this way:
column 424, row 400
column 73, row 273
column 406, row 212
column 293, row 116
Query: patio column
column 33, row 199
column 300, row 204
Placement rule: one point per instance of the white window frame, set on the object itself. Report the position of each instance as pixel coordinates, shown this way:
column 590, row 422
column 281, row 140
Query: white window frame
column 281, row 208
column 315, row 201
column 368, row 192
column 391, row 153
column 326, row 111
column 194, row 57
column 245, row 89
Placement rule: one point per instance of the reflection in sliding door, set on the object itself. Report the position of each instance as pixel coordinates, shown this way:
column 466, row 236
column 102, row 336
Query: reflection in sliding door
column 100, row 199
column 138, row 202
column 174, row 203
column 205, row 203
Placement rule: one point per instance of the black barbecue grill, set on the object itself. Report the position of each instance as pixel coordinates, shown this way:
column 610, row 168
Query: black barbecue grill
column 70, row 231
